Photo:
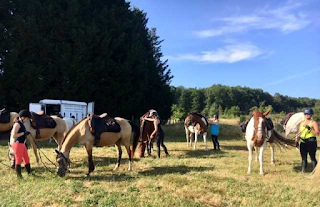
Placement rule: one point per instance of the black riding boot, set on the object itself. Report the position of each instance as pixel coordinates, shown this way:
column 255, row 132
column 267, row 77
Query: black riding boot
column 314, row 164
column 18, row 170
column 28, row 168
column 304, row 165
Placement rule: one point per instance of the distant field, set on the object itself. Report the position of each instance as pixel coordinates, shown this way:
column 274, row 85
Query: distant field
column 186, row 178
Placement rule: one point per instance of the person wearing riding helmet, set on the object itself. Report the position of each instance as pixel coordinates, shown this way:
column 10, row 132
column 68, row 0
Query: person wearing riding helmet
column 18, row 136
column 308, row 131
column 157, row 132
column 214, row 129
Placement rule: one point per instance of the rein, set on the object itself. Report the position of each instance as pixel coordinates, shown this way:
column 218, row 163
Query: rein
column 44, row 155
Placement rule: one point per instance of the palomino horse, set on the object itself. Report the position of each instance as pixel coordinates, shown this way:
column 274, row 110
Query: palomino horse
column 257, row 135
column 291, row 126
column 81, row 134
column 196, row 124
column 57, row 133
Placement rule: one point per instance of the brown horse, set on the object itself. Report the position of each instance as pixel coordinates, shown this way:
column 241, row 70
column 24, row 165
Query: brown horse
column 196, row 124
column 81, row 134
column 57, row 133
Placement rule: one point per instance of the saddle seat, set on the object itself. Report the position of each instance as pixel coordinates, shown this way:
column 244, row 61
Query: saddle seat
column 102, row 123
column 4, row 116
column 41, row 121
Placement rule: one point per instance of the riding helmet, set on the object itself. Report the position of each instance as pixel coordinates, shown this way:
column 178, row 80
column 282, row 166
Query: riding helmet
column 308, row 111
column 25, row 113
column 216, row 116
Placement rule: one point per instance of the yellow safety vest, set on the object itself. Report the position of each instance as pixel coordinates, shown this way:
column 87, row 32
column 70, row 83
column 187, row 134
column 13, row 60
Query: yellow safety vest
column 305, row 133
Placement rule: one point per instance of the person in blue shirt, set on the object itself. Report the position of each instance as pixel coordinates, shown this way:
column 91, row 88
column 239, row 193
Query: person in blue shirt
column 214, row 129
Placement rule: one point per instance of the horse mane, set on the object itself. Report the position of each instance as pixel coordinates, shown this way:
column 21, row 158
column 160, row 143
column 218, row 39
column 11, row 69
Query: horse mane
column 74, row 126
column 256, row 116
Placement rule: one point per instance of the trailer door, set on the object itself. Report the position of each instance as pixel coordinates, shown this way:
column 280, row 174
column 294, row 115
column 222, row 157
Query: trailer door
column 90, row 107
column 35, row 107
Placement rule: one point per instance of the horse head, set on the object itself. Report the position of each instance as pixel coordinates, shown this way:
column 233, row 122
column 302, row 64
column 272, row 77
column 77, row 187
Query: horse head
column 260, row 127
column 63, row 163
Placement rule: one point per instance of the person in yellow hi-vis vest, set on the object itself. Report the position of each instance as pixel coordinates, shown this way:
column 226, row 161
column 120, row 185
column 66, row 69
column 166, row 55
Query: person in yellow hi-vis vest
column 308, row 131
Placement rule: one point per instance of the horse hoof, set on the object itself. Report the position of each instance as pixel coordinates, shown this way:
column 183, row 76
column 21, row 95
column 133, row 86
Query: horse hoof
column 261, row 173
column 272, row 163
column 248, row 172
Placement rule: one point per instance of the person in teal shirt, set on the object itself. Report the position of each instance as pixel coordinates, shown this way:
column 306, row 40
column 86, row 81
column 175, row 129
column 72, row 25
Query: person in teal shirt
column 214, row 129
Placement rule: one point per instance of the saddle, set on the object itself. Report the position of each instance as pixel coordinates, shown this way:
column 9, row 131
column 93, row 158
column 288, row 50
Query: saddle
column 41, row 121
column 4, row 116
column 286, row 119
column 103, row 123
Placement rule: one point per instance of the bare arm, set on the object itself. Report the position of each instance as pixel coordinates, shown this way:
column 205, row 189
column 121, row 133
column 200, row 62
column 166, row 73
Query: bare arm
column 315, row 129
column 155, row 124
column 15, row 130
column 149, row 119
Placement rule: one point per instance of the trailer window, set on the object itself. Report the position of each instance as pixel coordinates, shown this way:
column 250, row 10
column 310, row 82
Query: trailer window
column 52, row 109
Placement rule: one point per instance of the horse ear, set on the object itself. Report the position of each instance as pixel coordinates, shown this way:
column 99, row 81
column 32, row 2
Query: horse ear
column 266, row 113
column 57, row 152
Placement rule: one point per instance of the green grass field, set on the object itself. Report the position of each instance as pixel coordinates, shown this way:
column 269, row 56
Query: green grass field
column 187, row 178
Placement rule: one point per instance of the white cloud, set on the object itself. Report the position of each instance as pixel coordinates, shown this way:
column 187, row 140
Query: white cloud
column 229, row 54
column 286, row 18
column 294, row 76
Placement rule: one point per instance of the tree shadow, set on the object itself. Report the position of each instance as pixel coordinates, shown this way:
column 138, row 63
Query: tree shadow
column 205, row 153
column 236, row 147
column 180, row 169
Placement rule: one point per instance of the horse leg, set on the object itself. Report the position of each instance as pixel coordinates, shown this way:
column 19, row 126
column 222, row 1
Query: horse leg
column 256, row 149
column 119, row 155
column 205, row 139
column 272, row 153
column 195, row 139
column 90, row 162
column 187, row 135
column 249, row 157
column 261, row 158
column 34, row 147
column 129, row 155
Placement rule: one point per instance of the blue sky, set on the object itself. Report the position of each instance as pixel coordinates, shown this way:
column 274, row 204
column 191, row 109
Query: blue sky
column 272, row 45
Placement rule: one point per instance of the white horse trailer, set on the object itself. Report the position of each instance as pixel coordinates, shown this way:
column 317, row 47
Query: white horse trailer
column 65, row 108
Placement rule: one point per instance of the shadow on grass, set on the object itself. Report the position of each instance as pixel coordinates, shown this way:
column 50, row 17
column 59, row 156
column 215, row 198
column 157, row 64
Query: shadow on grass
column 205, row 153
column 180, row 169
column 236, row 147
column 297, row 168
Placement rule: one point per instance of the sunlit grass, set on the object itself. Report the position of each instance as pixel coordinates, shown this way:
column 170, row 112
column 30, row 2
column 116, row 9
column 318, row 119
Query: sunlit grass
column 186, row 178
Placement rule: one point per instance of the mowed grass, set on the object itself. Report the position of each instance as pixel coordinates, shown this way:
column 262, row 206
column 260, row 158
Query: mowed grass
column 187, row 178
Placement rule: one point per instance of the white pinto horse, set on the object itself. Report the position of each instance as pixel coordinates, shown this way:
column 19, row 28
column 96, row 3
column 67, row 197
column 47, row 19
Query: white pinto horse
column 70, row 122
column 292, row 125
column 196, row 124
column 258, row 133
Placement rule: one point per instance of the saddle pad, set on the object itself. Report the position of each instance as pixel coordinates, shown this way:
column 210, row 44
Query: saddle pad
column 286, row 119
column 100, row 125
column 5, row 116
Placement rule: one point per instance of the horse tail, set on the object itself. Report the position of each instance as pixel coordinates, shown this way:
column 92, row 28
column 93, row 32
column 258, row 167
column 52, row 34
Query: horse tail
column 282, row 141
column 136, row 131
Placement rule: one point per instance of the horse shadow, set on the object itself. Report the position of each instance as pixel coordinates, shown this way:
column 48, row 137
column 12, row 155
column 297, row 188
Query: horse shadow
column 180, row 169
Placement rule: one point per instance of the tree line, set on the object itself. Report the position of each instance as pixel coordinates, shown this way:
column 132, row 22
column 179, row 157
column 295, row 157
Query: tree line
column 235, row 101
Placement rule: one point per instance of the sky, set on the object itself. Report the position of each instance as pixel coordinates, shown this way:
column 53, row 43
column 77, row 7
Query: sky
column 270, row 45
